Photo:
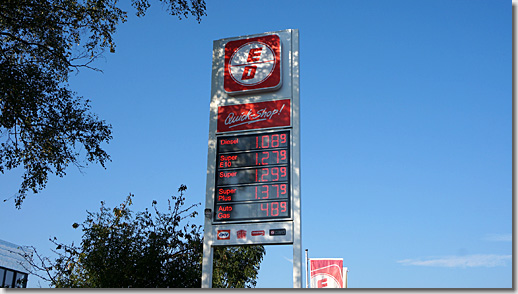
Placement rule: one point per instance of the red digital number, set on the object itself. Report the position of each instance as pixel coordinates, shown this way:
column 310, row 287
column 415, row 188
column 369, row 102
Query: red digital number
column 267, row 141
column 283, row 206
column 281, row 155
column 265, row 192
column 274, row 209
column 275, row 172
column 276, row 152
column 262, row 191
column 276, row 186
column 275, row 140
column 265, row 208
column 263, row 175
column 267, row 156
column 283, row 189
column 267, row 144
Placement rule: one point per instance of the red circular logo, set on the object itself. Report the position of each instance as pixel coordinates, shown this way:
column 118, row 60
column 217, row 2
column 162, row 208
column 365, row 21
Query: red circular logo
column 253, row 64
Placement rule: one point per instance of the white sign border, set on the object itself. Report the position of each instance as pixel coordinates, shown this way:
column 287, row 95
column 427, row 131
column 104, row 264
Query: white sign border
column 290, row 89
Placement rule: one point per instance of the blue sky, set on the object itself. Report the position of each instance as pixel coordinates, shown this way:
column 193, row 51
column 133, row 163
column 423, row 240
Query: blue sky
column 406, row 135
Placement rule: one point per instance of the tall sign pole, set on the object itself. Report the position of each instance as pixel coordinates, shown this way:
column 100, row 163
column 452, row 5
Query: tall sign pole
column 253, row 158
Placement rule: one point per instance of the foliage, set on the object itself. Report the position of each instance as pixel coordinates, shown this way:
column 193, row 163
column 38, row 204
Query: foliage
column 237, row 266
column 43, row 124
column 121, row 248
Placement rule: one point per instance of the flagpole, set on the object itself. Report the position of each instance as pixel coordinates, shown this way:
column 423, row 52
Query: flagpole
column 307, row 269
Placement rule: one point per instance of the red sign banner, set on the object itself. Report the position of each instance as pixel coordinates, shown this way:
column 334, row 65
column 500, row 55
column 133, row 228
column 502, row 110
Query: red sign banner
column 326, row 273
column 252, row 116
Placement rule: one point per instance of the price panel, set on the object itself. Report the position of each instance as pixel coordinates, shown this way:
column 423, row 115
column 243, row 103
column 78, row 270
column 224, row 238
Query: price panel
column 257, row 158
column 253, row 177
column 252, row 210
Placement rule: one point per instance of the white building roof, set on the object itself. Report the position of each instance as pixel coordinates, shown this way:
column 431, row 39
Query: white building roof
column 11, row 256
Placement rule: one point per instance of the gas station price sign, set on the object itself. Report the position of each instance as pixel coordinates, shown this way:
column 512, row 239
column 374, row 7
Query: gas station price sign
column 253, row 177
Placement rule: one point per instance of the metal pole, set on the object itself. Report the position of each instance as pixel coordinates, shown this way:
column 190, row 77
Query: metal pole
column 307, row 269
column 208, row 253
column 345, row 271
column 297, row 238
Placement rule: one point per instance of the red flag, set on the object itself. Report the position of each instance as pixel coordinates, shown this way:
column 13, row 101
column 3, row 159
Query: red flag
column 326, row 272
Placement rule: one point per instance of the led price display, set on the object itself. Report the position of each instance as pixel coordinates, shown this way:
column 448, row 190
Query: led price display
column 257, row 158
column 254, row 142
column 252, row 192
column 252, row 210
column 253, row 177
